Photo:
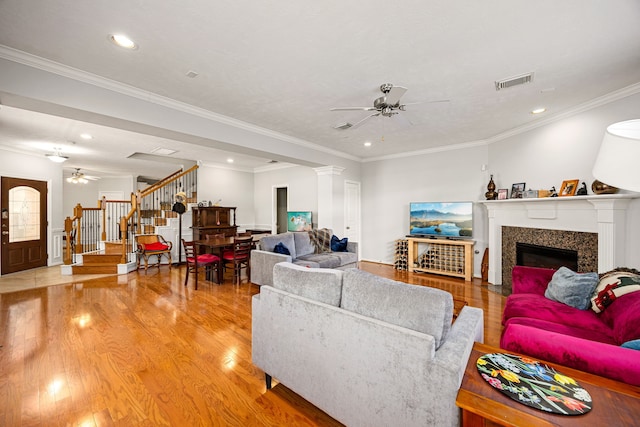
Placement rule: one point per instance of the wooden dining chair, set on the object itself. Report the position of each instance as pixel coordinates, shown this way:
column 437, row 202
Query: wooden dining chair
column 239, row 257
column 195, row 261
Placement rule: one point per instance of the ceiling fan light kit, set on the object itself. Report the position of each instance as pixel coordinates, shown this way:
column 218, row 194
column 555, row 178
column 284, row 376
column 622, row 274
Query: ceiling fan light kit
column 57, row 158
column 78, row 177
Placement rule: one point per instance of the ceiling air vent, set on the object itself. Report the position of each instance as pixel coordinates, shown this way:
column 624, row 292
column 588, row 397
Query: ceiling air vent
column 514, row 81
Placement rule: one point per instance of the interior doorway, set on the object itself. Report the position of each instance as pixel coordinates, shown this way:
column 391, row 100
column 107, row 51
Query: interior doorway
column 352, row 211
column 23, row 219
column 280, row 206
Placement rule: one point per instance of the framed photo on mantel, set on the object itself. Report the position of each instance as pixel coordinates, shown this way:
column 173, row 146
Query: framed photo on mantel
column 503, row 193
column 517, row 190
column 568, row 188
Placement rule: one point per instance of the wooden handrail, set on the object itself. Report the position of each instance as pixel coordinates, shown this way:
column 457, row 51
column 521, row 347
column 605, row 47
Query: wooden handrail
column 164, row 181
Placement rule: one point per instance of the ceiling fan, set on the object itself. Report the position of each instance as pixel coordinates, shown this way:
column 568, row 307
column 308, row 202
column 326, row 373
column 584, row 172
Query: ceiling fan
column 78, row 177
column 387, row 105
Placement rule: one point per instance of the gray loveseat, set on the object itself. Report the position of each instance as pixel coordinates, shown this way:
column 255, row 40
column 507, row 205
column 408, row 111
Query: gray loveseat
column 302, row 253
column 366, row 350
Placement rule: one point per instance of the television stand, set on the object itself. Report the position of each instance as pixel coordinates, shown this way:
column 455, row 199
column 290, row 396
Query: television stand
column 447, row 257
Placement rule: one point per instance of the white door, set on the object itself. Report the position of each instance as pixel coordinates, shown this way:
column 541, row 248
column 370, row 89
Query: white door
column 352, row 211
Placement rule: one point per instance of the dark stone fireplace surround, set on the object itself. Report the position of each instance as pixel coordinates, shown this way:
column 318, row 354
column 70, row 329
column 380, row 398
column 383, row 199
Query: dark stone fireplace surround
column 586, row 244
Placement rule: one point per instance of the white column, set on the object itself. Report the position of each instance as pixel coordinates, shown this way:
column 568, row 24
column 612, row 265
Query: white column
column 611, row 217
column 329, row 205
column 495, row 247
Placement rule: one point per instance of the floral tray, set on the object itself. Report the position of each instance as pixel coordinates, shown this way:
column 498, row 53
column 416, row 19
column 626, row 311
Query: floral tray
column 534, row 384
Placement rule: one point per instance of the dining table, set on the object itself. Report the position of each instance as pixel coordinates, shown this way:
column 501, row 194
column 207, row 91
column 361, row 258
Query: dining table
column 217, row 245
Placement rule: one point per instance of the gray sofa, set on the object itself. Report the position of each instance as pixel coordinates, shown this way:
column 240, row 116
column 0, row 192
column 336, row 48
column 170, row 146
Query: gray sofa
column 366, row 350
column 302, row 253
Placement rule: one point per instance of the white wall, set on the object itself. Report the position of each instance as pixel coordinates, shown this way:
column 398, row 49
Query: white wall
column 39, row 168
column 234, row 187
column 302, row 192
column 542, row 157
column 389, row 185
column 566, row 149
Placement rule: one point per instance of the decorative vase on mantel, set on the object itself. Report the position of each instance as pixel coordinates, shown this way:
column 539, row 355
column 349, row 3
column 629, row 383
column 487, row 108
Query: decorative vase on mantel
column 491, row 193
column 599, row 187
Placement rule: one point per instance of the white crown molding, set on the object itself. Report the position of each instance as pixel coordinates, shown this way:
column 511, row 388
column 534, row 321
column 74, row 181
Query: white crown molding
column 439, row 149
column 124, row 89
column 329, row 170
column 274, row 167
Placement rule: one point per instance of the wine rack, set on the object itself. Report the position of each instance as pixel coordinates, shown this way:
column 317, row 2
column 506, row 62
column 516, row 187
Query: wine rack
column 448, row 257
column 401, row 256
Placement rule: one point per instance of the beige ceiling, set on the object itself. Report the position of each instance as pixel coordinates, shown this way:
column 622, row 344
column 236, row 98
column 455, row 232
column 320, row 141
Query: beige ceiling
column 283, row 65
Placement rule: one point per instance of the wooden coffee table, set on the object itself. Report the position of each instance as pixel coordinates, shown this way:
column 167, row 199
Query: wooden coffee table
column 614, row 403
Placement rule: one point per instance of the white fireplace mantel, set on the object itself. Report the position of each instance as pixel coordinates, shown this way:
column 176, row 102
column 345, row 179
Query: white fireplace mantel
column 603, row 214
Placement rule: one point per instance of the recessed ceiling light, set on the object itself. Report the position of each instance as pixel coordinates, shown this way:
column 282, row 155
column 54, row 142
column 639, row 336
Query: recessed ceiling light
column 367, row 144
column 123, row 41
column 538, row 111
column 86, row 136
column 229, row 160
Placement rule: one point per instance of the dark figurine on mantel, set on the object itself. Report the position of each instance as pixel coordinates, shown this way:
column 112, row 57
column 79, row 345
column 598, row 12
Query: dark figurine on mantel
column 491, row 194
column 582, row 191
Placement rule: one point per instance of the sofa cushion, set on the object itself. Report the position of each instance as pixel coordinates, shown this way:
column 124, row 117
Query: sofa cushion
column 422, row 309
column 324, row 260
column 346, row 257
column 339, row 245
column 268, row 243
column 536, row 306
column 304, row 246
column 623, row 315
column 319, row 284
column 573, row 330
column 571, row 288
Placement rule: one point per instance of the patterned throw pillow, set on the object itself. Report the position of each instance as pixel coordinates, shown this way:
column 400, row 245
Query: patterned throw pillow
column 321, row 238
column 612, row 285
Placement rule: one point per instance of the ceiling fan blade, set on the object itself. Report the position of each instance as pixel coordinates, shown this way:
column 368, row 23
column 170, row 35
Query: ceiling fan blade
column 353, row 108
column 394, row 95
column 358, row 123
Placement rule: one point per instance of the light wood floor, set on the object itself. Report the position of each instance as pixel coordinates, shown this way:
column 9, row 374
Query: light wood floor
column 143, row 350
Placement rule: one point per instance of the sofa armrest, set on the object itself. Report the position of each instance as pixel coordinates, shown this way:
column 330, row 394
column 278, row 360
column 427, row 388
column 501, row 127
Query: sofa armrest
column 453, row 354
column 598, row 358
column 352, row 247
column 262, row 263
column 530, row 280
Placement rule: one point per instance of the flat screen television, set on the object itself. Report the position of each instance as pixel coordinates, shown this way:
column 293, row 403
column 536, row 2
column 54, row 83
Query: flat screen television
column 453, row 220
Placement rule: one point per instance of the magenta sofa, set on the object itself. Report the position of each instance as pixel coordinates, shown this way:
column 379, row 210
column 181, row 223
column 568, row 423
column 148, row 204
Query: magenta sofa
column 539, row 327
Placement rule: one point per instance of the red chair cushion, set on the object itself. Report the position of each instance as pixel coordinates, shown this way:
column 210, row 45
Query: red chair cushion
column 228, row 256
column 155, row 246
column 206, row 258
